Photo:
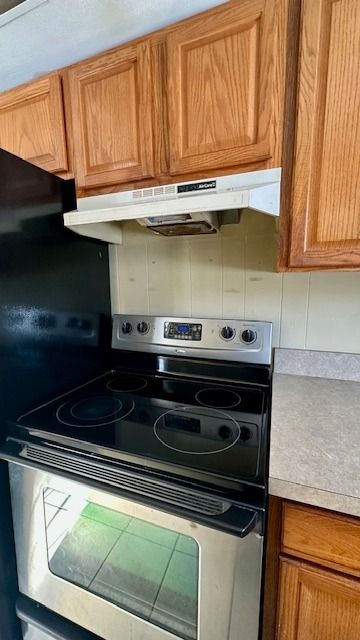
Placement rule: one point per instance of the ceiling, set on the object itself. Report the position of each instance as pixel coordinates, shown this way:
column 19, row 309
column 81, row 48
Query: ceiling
column 56, row 33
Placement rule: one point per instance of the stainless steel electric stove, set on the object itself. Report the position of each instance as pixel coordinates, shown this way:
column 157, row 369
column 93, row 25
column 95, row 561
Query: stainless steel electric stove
column 172, row 438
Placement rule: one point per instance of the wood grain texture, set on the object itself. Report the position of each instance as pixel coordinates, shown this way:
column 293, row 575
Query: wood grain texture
column 322, row 537
column 316, row 604
column 224, row 79
column 218, row 60
column 111, row 96
column 159, row 108
column 32, row 123
column 287, row 131
column 284, row 18
column 326, row 215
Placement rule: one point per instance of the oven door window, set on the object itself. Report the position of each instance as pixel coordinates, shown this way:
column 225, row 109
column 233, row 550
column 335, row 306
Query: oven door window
column 141, row 567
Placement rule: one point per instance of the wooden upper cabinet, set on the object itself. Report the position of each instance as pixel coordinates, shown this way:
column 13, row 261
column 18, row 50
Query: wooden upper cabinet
column 112, row 117
column 317, row 604
column 325, row 230
column 32, row 123
column 225, row 84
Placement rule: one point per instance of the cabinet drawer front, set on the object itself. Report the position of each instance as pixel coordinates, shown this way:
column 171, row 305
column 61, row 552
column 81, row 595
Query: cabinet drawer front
column 32, row 123
column 112, row 119
column 320, row 536
column 221, row 79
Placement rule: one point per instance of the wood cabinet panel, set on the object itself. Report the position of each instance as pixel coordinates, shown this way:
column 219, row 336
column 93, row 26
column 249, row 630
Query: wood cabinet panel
column 316, row 604
column 325, row 227
column 323, row 537
column 225, row 86
column 159, row 109
column 111, row 98
column 32, row 123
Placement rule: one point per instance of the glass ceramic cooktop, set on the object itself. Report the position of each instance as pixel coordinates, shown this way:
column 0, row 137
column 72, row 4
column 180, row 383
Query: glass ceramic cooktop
column 202, row 425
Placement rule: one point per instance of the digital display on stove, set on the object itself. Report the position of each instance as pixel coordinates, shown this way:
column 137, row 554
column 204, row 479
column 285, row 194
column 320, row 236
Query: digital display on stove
column 182, row 331
column 184, row 423
column 183, row 328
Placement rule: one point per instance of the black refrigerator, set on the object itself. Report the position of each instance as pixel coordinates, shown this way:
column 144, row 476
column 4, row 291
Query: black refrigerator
column 55, row 325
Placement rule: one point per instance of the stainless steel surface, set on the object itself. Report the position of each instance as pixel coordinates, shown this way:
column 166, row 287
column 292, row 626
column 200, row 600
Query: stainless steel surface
column 229, row 567
column 211, row 345
column 30, row 632
column 90, row 467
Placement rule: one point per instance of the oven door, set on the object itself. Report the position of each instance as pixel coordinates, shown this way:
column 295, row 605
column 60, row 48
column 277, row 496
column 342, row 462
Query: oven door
column 124, row 570
column 38, row 623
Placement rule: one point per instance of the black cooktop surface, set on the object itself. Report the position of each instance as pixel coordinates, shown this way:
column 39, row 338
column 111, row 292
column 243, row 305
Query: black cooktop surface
column 216, row 428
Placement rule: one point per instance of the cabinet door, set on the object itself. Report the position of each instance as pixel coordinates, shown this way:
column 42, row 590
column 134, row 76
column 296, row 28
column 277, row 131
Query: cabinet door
column 32, row 123
column 225, row 86
column 316, row 604
column 325, row 228
column 111, row 113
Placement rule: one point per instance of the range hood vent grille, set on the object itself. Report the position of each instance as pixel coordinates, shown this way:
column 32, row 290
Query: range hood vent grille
column 165, row 190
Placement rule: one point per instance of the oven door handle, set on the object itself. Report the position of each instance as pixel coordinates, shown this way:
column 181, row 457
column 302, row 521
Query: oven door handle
column 196, row 504
column 240, row 521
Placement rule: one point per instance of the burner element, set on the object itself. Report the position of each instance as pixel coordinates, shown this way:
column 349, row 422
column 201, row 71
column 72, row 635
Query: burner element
column 96, row 408
column 94, row 411
column 217, row 397
column 127, row 383
column 197, row 431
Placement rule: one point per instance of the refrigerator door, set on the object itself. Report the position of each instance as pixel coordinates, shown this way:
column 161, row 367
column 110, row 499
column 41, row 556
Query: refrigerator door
column 54, row 291
column 54, row 317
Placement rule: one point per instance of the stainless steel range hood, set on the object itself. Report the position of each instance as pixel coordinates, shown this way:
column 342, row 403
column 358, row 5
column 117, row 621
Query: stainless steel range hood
column 193, row 207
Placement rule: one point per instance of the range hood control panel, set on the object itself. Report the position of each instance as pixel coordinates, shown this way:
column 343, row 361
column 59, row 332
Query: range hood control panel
column 221, row 339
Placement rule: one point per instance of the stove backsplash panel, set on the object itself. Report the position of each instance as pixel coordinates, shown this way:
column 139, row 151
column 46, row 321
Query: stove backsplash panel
column 234, row 275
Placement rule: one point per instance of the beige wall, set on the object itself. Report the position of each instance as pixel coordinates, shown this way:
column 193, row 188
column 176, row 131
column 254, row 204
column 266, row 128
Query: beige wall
column 233, row 276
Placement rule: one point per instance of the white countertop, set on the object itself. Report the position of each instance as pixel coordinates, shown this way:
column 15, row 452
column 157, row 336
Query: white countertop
column 315, row 431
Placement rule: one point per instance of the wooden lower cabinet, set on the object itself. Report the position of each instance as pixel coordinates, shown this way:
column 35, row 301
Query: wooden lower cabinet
column 317, row 604
column 318, row 583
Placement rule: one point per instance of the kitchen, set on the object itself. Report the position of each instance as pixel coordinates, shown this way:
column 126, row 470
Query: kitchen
column 202, row 283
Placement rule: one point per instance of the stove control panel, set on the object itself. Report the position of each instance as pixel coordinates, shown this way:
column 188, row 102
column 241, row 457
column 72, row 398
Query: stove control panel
column 182, row 331
column 219, row 339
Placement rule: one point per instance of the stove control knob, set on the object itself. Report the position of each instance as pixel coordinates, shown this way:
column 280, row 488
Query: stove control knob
column 245, row 434
column 227, row 333
column 143, row 327
column 126, row 328
column 248, row 336
column 224, row 432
